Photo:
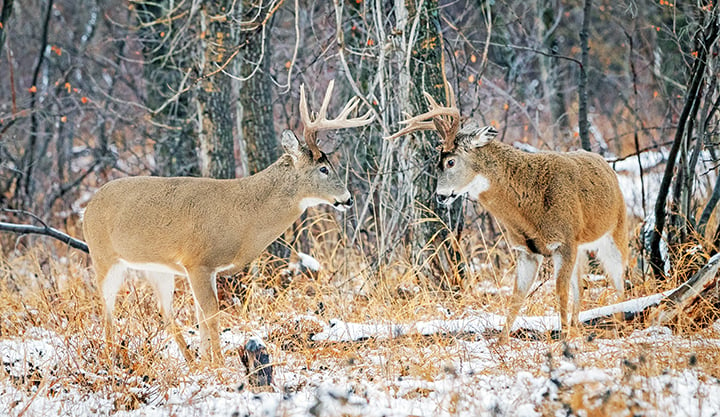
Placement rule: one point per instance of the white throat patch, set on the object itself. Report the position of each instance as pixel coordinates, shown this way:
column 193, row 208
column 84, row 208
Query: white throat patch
column 477, row 186
column 307, row 202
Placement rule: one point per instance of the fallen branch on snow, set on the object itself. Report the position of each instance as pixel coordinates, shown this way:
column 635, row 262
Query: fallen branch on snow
column 481, row 322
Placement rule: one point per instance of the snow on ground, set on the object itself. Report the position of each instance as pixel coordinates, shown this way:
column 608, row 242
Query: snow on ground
column 477, row 377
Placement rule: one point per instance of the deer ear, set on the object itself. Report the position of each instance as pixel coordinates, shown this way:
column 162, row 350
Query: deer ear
column 291, row 144
column 480, row 136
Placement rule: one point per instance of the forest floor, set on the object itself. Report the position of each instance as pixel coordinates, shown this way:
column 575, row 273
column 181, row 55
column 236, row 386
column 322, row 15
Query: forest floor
column 334, row 351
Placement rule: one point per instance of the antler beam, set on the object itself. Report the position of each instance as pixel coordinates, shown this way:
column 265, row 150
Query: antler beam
column 321, row 122
column 444, row 119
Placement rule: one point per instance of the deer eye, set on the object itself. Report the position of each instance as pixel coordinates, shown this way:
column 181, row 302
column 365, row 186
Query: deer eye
column 324, row 170
column 450, row 163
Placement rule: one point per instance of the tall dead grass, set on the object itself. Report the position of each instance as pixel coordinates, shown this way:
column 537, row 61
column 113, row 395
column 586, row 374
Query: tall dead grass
column 45, row 286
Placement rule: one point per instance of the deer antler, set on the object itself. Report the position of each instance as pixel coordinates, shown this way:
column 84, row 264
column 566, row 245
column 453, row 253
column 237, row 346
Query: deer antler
column 445, row 120
column 311, row 127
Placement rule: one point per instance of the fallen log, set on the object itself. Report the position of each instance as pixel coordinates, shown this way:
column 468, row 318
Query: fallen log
column 696, row 299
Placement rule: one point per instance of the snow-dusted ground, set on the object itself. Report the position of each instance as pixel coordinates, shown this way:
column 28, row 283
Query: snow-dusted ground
column 464, row 376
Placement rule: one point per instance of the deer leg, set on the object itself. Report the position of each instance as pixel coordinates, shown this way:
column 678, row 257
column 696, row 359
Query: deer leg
column 164, row 284
column 564, row 264
column 527, row 268
column 202, row 282
column 612, row 260
column 110, row 280
column 576, row 288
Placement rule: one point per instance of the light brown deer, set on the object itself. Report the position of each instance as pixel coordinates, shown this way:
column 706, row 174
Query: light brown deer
column 553, row 204
column 201, row 227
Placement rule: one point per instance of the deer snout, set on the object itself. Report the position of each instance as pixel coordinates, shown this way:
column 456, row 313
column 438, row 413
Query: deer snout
column 445, row 199
column 344, row 205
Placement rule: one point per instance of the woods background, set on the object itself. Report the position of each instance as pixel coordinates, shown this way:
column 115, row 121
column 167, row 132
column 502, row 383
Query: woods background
column 95, row 90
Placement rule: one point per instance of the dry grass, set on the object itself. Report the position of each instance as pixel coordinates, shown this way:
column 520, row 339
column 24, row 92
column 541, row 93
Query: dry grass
column 51, row 289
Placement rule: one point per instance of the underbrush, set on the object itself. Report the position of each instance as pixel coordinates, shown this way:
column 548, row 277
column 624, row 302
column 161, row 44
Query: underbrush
column 52, row 340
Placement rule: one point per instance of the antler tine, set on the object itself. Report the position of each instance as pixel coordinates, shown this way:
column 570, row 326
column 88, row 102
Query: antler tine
column 357, row 121
column 449, row 128
column 309, row 130
column 321, row 121
column 445, row 120
column 322, row 114
column 451, row 93
column 432, row 104
column 414, row 126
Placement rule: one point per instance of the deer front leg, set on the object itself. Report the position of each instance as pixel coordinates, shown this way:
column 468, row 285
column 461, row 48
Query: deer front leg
column 202, row 282
column 527, row 268
column 564, row 263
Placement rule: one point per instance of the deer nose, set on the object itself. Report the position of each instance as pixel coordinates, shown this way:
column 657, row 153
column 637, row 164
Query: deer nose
column 442, row 199
column 349, row 201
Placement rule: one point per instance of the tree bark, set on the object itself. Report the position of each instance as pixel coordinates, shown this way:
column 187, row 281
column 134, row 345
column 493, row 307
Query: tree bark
column 258, row 123
column 427, row 73
column 709, row 208
column 5, row 15
column 25, row 189
column 259, row 145
column 175, row 139
column 583, row 124
column 214, row 100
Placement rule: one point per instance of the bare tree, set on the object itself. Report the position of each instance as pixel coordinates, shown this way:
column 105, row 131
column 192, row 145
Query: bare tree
column 5, row 14
column 583, row 123
column 168, row 53
column 704, row 43
column 255, row 93
column 215, row 96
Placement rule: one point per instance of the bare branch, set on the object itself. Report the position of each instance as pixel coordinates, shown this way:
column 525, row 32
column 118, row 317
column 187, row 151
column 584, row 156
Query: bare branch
column 47, row 231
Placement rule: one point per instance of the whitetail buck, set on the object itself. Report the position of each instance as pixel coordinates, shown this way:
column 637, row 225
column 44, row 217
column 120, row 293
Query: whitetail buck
column 556, row 204
column 199, row 227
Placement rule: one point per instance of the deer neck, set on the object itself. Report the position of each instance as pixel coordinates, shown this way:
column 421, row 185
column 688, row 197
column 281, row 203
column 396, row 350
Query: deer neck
column 279, row 193
column 500, row 164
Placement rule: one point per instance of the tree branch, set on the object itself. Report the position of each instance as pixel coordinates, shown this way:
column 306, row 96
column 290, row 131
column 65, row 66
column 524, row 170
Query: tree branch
column 47, row 231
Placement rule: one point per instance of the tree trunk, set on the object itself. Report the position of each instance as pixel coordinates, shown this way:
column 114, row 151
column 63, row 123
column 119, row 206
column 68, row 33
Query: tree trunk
column 550, row 72
column 175, row 138
column 259, row 145
column 692, row 97
column 5, row 14
column 214, row 100
column 427, row 73
column 257, row 124
column 584, row 125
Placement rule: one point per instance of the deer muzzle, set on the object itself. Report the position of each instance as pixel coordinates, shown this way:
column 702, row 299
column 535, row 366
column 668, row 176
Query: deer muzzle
column 344, row 205
column 446, row 199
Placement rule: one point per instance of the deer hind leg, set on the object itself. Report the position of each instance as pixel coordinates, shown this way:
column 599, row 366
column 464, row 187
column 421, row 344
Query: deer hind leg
column 581, row 263
column 564, row 265
column 202, row 282
column 612, row 254
column 527, row 269
column 164, row 284
column 110, row 280
column 613, row 262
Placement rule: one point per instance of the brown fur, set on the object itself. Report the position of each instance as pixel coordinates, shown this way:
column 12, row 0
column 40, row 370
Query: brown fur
column 199, row 226
column 549, row 202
